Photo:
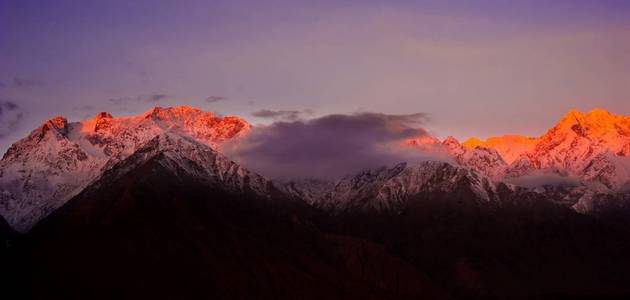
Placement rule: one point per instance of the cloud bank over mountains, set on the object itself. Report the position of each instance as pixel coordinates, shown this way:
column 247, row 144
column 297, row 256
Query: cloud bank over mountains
column 330, row 146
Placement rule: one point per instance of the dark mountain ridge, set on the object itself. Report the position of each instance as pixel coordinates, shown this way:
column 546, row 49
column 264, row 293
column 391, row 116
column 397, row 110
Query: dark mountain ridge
column 154, row 231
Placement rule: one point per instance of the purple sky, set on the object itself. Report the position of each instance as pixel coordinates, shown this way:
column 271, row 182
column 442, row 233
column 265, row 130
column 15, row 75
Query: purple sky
column 477, row 68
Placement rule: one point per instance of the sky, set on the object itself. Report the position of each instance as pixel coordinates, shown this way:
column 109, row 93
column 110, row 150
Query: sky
column 473, row 68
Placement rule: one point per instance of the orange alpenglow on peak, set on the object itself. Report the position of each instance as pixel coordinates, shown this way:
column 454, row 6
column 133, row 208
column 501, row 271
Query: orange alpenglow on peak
column 598, row 125
column 102, row 121
column 472, row 143
column 572, row 113
column 174, row 112
column 59, row 122
column 599, row 111
column 195, row 122
column 103, row 115
column 510, row 147
column 594, row 116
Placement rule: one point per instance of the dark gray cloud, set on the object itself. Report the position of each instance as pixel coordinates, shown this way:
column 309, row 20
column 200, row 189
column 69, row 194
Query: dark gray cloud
column 330, row 146
column 282, row 115
column 212, row 99
column 155, row 97
column 27, row 82
column 150, row 98
column 542, row 178
column 119, row 101
column 10, row 117
column 85, row 108
column 85, row 111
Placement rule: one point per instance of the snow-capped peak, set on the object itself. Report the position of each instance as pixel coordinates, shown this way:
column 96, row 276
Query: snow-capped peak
column 589, row 145
column 59, row 159
column 58, row 123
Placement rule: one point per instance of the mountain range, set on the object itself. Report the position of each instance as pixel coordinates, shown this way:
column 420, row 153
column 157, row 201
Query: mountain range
column 150, row 206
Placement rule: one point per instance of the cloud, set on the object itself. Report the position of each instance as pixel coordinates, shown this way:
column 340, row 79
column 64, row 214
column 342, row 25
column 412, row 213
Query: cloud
column 212, row 99
column 27, row 82
column 282, row 115
column 10, row 117
column 330, row 146
column 155, row 97
column 541, row 178
column 86, row 108
column 86, row 111
column 150, row 98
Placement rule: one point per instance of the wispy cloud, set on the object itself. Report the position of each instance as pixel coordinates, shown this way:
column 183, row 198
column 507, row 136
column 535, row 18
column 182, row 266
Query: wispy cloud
column 86, row 108
column 26, row 82
column 542, row 178
column 11, row 115
column 212, row 99
column 150, row 98
column 85, row 111
column 282, row 115
column 155, row 97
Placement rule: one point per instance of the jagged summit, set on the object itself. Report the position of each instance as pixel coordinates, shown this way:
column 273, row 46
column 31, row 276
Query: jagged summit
column 103, row 115
column 572, row 114
column 450, row 140
column 596, row 123
column 575, row 114
column 175, row 112
column 595, row 113
column 58, row 123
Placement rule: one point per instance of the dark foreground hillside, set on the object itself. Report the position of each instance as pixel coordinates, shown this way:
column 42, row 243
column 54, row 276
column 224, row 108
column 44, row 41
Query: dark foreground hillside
column 525, row 249
column 153, row 234
column 156, row 234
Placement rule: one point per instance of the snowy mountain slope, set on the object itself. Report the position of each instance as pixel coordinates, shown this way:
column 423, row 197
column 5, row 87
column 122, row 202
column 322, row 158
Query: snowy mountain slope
column 486, row 161
column 309, row 190
column 39, row 173
column 389, row 189
column 182, row 154
column 59, row 159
